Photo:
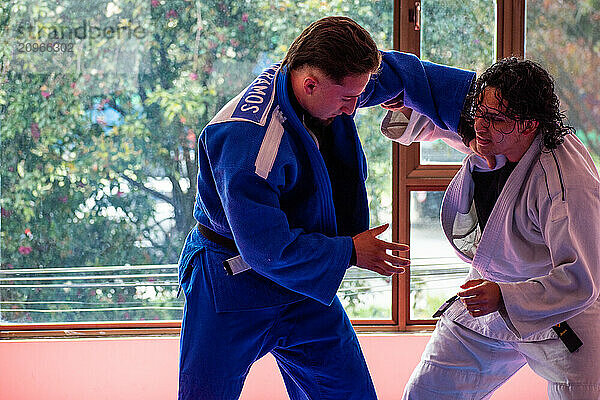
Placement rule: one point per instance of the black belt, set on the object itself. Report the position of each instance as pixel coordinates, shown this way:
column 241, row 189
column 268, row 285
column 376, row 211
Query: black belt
column 563, row 330
column 568, row 336
column 233, row 265
column 214, row 237
column 221, row 240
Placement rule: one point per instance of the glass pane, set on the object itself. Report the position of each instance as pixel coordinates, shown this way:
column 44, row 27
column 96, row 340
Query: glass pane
column 438, row 152
column 461, row 34
column 100, row 108
column 436, row 272
column 565, row 38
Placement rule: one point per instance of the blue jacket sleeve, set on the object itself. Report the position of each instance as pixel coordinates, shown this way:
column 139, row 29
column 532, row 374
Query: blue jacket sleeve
column 435, row 90
column 308, row 263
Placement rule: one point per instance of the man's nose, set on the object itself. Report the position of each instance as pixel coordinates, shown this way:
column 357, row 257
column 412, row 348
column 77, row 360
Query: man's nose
column 480, row 124
column 350, row 106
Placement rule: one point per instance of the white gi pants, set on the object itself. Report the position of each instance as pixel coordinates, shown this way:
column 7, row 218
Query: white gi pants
column 459, row 363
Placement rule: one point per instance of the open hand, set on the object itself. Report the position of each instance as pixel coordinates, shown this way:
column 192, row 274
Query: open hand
column 371, row 253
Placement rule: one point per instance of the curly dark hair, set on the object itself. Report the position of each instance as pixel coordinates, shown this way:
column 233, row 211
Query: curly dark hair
column 338, row 46
column 527, row 90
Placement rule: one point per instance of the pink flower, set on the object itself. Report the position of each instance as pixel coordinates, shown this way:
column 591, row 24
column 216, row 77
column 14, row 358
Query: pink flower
column 119, row 193
column 155, row 3
column 35, row 131
column 241, row 27
column 24, row 250
column 191, row 138
column 73, row 85
column 64, row 199
column 45, row 92
column 171, row 14
column 245, row 17
column 193, row 76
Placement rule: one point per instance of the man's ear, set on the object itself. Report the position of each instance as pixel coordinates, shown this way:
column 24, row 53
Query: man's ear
column 309, row 84
column 530, row 126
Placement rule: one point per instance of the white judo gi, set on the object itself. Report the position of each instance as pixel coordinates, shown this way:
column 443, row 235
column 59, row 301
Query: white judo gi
column 541, row 245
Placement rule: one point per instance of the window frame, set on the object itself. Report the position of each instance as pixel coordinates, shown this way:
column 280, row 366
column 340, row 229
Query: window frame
column 407, row 175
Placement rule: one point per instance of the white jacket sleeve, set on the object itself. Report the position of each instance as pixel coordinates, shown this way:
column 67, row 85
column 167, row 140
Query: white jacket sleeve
column 418, row 128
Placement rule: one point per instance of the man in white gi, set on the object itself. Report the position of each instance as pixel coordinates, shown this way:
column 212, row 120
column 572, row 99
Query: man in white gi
column 524, row 211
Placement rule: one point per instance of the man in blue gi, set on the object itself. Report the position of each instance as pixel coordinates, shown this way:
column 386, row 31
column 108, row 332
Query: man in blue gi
column 282, row 204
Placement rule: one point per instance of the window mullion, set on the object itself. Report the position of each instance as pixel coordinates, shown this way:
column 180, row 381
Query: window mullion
column 510, row 28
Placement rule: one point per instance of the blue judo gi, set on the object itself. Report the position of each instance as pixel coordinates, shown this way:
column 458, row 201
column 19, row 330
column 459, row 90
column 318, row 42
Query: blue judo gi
column 263, row 183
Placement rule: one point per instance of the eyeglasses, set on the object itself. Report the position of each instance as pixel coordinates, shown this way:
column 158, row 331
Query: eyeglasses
column 499, row 121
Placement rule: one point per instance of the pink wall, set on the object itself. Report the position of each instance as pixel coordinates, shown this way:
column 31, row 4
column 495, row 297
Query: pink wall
column 146, row 368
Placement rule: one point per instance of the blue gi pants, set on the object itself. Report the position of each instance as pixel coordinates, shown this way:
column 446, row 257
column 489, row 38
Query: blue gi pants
column 315, row 347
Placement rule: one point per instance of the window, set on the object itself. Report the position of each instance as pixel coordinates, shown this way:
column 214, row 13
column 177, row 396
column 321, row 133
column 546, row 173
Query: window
column 462, row 35
column 436, row 272
column 563, row 37
column 566, row 39
column 100, row 112
column 100, row 109
column 470, row 25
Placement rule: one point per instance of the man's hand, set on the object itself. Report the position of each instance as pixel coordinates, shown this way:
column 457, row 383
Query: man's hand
column 397, row 104
column 483, row 152
column 394, row 104
column 481, row 297
column 371, row 253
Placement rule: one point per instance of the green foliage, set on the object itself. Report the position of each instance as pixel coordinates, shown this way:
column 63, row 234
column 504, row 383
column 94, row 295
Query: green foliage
column 459, row 33
column 565, row 38
column 79, row 189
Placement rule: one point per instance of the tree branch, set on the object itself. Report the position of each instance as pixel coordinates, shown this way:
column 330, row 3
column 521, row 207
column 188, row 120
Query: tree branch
column 148, row 190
